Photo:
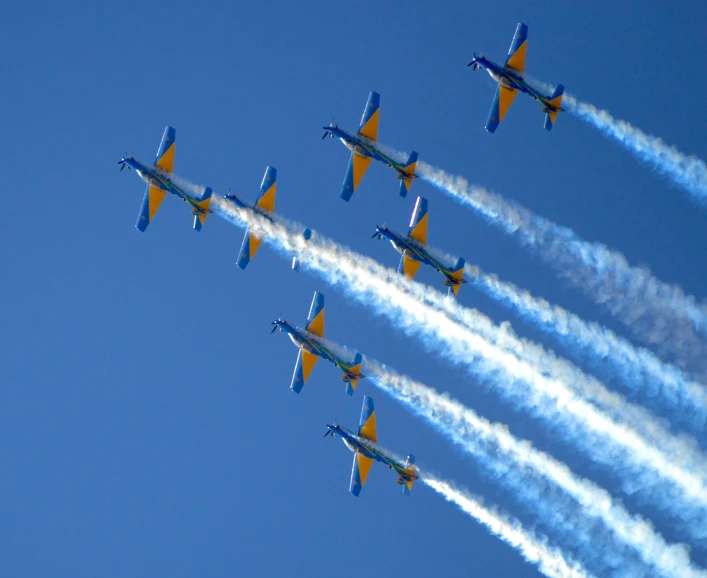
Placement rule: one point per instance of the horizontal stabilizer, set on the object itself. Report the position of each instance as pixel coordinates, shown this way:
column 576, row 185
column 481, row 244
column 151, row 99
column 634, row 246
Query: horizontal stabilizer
column 297, row 259
column 406, row 179
column 457, row 277
column 202, row 209
column 356, row 370
column 555, row 106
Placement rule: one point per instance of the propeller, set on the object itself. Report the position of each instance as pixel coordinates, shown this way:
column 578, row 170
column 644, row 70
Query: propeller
column 122, row 162
column 474, row 64
column 377, row 234
column 275, row 327
column 328, row 431
column 327, row 131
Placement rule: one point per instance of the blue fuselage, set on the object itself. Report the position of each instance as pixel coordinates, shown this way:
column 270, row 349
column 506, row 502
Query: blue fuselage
column 412, row 250
column 361, row 446
column 306, row 341
column 160, row 180
column 511, row 79
column 365, row 147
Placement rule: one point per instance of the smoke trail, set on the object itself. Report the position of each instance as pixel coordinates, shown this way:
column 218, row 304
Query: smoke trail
column 659, row 314
column 689, row 172
column 534, row 550
column 405, row 304
column 550, row 561
column 638, row 367
column 481, row 438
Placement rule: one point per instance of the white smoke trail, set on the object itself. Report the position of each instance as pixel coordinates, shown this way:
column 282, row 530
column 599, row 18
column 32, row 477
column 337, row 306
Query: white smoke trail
column 481, row 438
column 659, row 314
column 638, row 367
column 535, row 550
column 689, row 172
column 550, row 561
column 404, row 304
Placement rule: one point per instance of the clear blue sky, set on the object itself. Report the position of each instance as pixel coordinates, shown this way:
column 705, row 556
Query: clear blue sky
column 146, row 423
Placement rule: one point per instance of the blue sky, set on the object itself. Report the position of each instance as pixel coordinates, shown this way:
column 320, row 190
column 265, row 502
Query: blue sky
column 147, row 426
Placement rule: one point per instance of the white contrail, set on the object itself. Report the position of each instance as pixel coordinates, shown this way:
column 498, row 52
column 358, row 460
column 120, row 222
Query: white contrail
column 481, row 438
column 535, row 550
column 404, row 303
column 657, row 313
column 638, row 367
column 689, row 172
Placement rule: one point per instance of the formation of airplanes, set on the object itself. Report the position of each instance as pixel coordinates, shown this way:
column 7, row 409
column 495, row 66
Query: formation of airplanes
column 412, row 247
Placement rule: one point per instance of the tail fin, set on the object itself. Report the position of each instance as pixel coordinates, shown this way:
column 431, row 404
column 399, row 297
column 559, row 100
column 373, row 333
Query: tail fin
column 406, row 182
column 355, row 368
column 555, row 101
column 457, row 277
column 202, row 209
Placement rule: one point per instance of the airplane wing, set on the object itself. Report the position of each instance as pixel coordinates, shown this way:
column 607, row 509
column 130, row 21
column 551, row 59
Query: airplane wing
column 367, row 423
column 358, row 164
column 315, row 319
column 266, row 201
column 408, row 267
column 268, row 188
column 165, row 154
column 359, row 473
column 516, row 53
column 154, row 196
column 501, row 103
column 418, row 221
column 150, row 203
column 305, row 364
column 369, row 120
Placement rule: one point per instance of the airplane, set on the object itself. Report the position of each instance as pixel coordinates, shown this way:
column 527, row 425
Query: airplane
column 510, row 81
column 413, row 251
column 159, row 184
column 264, row 206
column 363, row 148
column 312, row 347
column 366, row 451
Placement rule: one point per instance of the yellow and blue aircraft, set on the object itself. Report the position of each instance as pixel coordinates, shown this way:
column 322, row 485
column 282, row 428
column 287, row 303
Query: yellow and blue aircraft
column 366, row 451
column 413, row 252
column 311, row 346
column 510, row 81
column 363, row 148
column 264, row 206
column 159, row 184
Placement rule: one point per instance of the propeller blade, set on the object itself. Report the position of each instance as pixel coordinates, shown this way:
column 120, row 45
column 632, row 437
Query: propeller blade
column 326, row 132
column 274, row 328
column 122, row 166
column 327, row 433
column 376, row 234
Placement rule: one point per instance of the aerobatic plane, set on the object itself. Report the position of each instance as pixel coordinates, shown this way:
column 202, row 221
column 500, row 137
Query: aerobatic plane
column 311, row 346
column 366, row 451
column 363, row 148
column 264, row 206
column 159, row 184
column 510, row 81
column 413, row 251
